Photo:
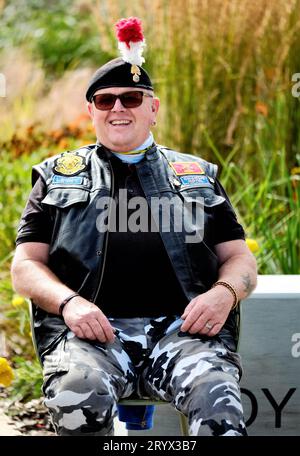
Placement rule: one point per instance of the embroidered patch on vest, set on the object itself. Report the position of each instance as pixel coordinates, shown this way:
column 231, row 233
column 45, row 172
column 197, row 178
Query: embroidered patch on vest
column 66, row 180
column 194, row 181
column 69, row 164
column 182, row 168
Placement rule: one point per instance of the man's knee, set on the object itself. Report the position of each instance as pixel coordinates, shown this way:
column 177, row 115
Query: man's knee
column 81, row 402
column 211, row 390
column 213, row 405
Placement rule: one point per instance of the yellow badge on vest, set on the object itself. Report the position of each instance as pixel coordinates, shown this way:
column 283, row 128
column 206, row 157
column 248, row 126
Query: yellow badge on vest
column 183, row 168
column 69, row 164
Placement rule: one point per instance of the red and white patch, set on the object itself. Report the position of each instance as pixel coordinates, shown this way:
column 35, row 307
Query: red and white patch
column 182, row 168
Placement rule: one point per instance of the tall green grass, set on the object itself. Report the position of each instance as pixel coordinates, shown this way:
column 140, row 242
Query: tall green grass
column 15, row 183
column 267, row 198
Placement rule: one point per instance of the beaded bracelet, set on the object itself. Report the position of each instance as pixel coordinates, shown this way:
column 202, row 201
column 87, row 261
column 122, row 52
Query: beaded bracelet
column 65, row 301
column 231, row 289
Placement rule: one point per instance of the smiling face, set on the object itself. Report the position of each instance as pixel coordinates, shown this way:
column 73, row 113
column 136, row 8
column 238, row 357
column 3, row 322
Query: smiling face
column 123, row 129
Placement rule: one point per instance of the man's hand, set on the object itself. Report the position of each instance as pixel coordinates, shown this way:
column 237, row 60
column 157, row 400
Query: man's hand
column 207, row 313
column 87, row 321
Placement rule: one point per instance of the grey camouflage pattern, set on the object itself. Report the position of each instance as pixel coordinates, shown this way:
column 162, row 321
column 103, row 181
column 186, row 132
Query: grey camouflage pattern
column 199, row 376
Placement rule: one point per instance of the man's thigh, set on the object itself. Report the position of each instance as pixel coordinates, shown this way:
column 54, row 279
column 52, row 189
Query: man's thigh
column 180, row 361
column 78, row 365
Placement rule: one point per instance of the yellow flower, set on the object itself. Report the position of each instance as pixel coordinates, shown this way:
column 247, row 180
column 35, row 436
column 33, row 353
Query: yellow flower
column 18, row 301
column 295, row 170
column 6, row 372
column 252, row 244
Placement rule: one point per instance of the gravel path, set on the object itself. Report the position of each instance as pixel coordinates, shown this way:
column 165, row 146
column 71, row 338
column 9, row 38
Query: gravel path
column 7, row 426
column 29, row 418
column 30, row 421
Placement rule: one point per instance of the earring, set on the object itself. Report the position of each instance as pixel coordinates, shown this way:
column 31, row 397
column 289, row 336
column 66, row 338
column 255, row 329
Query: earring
column 153, row 123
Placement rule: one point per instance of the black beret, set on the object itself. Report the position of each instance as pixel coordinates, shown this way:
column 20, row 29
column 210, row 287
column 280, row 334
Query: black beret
column 116, row 73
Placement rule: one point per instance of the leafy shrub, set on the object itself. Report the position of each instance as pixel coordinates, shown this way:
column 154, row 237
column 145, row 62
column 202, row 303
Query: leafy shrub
column 59, row 34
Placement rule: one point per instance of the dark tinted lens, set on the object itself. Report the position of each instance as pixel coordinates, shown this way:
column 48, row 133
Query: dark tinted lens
column 131, row 99
column 104, row 101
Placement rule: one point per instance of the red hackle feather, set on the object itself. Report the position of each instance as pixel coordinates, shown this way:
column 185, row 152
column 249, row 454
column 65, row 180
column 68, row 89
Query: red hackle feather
column 129, row 30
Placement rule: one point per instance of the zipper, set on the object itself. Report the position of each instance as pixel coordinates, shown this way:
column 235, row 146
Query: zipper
column 143, row 424
column 100, row 273
column 159, row 232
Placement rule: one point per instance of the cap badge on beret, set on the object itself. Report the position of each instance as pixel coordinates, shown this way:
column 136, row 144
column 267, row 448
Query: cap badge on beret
column 131, row 43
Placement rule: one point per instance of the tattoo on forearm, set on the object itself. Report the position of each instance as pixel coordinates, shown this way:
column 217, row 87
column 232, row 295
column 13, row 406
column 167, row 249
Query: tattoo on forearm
column 249, row 286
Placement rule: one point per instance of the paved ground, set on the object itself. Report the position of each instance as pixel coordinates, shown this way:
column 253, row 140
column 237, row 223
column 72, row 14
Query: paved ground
column 166, row 422
column 6, row 426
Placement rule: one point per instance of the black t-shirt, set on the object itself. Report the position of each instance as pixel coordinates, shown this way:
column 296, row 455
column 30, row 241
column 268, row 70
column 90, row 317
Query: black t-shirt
column 138, row 280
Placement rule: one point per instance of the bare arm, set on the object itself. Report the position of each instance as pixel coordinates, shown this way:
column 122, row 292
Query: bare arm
column 238, row 267
column 32, row 278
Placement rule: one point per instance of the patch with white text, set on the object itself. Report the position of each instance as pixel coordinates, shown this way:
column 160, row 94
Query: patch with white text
column 194, row 181
column 65, row 180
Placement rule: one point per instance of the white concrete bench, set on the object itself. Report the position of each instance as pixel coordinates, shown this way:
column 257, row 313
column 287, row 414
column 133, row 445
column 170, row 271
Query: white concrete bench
column 270, row 350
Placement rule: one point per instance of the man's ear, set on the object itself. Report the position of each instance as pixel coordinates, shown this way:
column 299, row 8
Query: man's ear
column 155, row 105
column 90, row 110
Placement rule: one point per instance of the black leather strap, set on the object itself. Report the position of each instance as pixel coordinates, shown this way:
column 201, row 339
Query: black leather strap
column 65, row 301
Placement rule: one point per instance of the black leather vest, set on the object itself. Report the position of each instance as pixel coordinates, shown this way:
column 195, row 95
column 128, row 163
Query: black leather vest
column 78, row 246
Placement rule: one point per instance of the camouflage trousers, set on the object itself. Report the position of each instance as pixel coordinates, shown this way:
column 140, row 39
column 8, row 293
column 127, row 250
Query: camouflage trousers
column 199, row 376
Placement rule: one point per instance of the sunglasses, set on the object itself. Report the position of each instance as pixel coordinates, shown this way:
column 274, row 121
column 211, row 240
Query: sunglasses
column 132, row 99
